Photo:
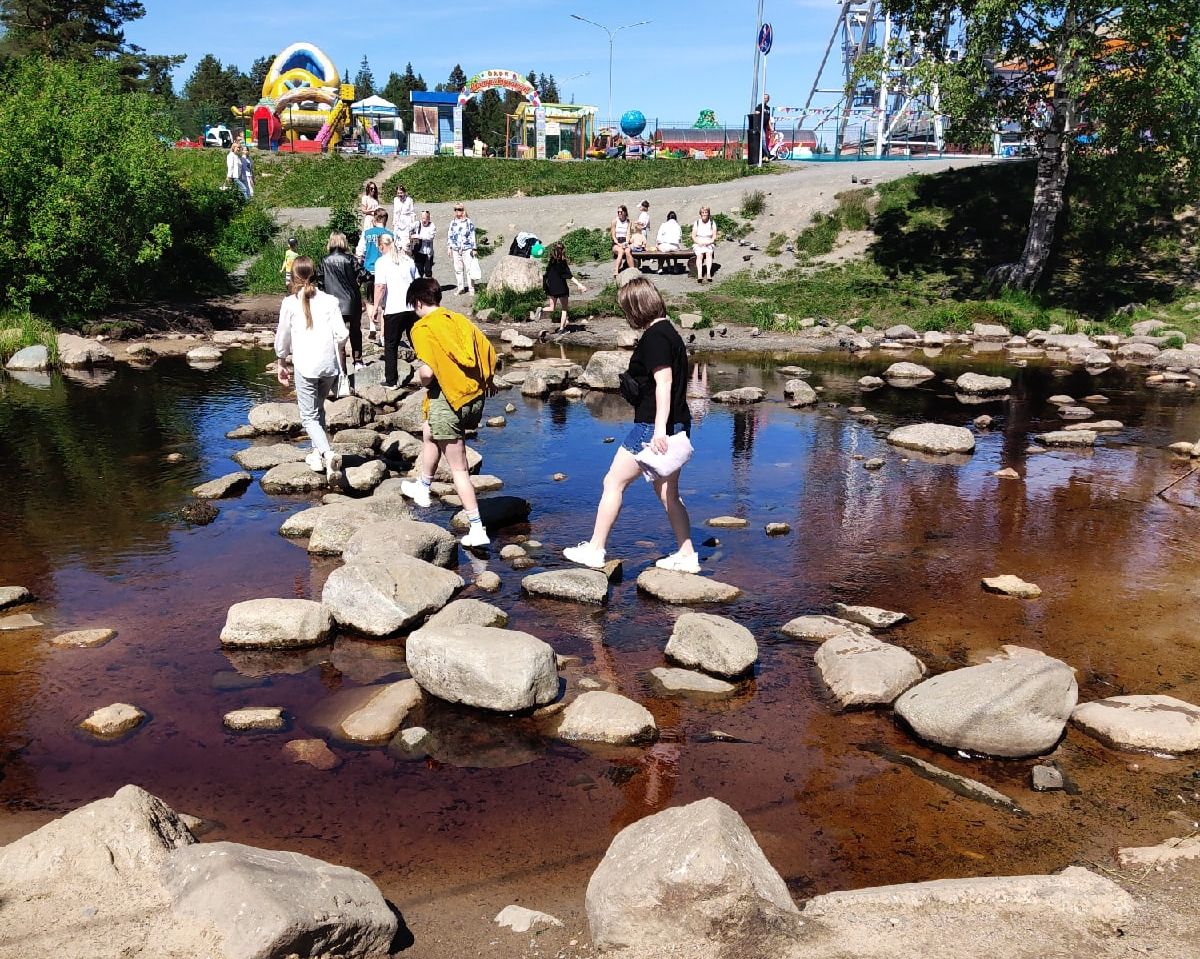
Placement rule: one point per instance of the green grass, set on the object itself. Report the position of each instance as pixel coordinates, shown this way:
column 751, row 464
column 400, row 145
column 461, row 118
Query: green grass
column 588, row 246
column 444, row 179
column 603, row 303
column 285, row 180
column 19, row 330
column 819, row 238
column 864, row 292
column 754, row 203
column 264, row 275
column 245, row 235
column 776, row 244
column 510, row 304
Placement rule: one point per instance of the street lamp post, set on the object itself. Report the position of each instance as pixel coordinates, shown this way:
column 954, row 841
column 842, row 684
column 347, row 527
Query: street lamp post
column 612, row 35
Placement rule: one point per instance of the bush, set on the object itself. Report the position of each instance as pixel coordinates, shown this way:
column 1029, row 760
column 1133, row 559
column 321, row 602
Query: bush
column 854, row 208
column 753, row 204
column 265, row 274
column 243, row 236
column 90, row 202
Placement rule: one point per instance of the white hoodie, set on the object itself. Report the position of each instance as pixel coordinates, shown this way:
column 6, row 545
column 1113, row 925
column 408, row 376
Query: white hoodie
column 314, row 351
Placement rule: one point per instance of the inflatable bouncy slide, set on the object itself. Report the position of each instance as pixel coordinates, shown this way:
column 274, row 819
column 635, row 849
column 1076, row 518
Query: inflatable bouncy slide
column 305, row 108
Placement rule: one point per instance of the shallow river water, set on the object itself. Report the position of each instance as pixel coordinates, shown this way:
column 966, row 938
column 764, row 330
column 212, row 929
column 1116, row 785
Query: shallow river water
column 88, row 522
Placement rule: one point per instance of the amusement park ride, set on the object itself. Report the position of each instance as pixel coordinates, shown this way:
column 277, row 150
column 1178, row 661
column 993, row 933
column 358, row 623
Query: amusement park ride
column 886, row 113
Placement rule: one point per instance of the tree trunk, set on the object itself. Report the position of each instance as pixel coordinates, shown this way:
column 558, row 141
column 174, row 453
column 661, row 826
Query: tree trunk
column 1049, row 192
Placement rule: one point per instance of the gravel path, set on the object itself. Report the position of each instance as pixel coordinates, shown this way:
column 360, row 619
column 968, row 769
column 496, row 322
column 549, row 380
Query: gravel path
column 792, row 198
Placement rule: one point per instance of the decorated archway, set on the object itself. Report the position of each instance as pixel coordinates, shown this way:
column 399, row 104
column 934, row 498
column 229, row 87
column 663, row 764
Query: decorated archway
column 499, row 80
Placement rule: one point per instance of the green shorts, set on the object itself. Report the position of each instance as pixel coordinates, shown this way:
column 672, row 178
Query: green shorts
column 446, row 424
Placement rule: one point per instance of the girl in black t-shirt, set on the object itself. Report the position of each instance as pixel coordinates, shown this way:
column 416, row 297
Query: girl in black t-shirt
column 558, row 274
column 659, row 366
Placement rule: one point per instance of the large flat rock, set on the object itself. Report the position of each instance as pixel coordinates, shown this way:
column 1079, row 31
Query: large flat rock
column 367, row 715
column 275, row 418
column 379, row 596
column 712, row 644
column 603, row 717
column 265, row 457
column 863, row 671
column 1068, row 914
column 1015, row 706
column 685, row 588
column 818, row 629
column 425, row 541
column 498, row 669
column 1161, row 724
column 276, row 624
column 935, row 439
column 268, row 905
column 292, row 478
column 573, row 585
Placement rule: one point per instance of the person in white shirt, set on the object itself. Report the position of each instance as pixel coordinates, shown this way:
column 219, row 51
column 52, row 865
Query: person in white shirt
column 704, row 243
column 233, row 169
column 669, row 239
column 643, row 218
column 404, row 214
column 312, row 332
column 424, row 236
column 394, row 273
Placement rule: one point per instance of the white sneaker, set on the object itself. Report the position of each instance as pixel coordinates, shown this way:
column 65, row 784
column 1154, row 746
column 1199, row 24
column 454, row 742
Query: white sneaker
column 416, row 491
column 315, row 462
column 680, row 562
column 476, row 536
column 333, row 465
column 585, row 554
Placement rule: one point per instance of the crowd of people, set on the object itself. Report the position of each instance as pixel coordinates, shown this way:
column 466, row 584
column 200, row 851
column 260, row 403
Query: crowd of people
column 388, row 278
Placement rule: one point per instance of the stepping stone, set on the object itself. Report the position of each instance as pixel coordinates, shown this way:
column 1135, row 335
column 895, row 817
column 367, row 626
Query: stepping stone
column 818, row 629
column 673, row 680
column 1011, row 585
column 1068, row 438
column 312, row 752
column 685, row 588
column 602, row 717
column 871, row 616
column 113, row 721
column 85, row 638
column 573, row 585
column 263, row 718
column 14, row 596
column 1156, row 723
column 933, row 438
column 727, row 522
column 19, row 621
column 231, row 484
column 864, row 671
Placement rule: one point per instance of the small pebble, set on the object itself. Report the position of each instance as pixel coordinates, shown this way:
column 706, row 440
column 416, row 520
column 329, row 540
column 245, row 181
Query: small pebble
column 174, row 457
column 875, row 463
column 610, row 439
column 510, row 408
column 488, row 581
column 778, row 529
column 559, row 477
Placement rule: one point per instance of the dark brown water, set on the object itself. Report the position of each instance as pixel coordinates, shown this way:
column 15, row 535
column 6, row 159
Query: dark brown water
column 87, row 522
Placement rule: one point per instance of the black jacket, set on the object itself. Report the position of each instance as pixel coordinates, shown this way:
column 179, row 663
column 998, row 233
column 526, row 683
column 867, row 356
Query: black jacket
column 339, row 278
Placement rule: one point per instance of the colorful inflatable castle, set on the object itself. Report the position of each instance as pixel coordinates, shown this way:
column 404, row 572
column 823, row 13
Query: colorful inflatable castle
column 305, row 108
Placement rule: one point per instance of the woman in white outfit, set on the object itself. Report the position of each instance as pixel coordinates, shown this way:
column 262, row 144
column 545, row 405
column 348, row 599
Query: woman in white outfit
column 368, row 203
column 621, row 232
column 312, row 332
column 669, row 239
column 704, row 243
column 404, row 214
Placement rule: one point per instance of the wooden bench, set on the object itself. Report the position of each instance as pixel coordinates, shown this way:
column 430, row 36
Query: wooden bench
column 685, row 256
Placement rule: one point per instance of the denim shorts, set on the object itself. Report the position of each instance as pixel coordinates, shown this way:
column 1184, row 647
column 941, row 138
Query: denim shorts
column 639, row 437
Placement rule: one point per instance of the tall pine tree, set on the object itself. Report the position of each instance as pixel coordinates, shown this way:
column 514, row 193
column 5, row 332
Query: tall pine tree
column 398, row 90
column 364, row 80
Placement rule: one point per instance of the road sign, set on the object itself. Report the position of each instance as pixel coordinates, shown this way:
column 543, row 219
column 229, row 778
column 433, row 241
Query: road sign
column 766, row 36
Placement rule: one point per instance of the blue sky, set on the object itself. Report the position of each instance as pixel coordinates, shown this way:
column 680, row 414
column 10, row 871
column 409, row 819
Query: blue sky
column 694, row 54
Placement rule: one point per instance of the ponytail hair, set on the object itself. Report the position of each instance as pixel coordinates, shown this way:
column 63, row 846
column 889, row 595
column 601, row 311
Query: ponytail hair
column 304, row 285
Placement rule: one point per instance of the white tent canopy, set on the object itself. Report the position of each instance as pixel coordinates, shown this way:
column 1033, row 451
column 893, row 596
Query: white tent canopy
column 375, row 106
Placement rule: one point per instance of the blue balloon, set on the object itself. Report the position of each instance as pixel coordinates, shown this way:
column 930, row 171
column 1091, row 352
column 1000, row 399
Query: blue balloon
column 633, row 122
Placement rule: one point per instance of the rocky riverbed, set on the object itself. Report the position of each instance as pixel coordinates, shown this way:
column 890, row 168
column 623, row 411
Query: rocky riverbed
column 322, row 671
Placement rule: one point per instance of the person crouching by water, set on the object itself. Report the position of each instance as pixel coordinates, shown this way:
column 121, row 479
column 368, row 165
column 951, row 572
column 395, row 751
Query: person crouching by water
column 312, row 332
column 457, row 364
column 659, row 366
